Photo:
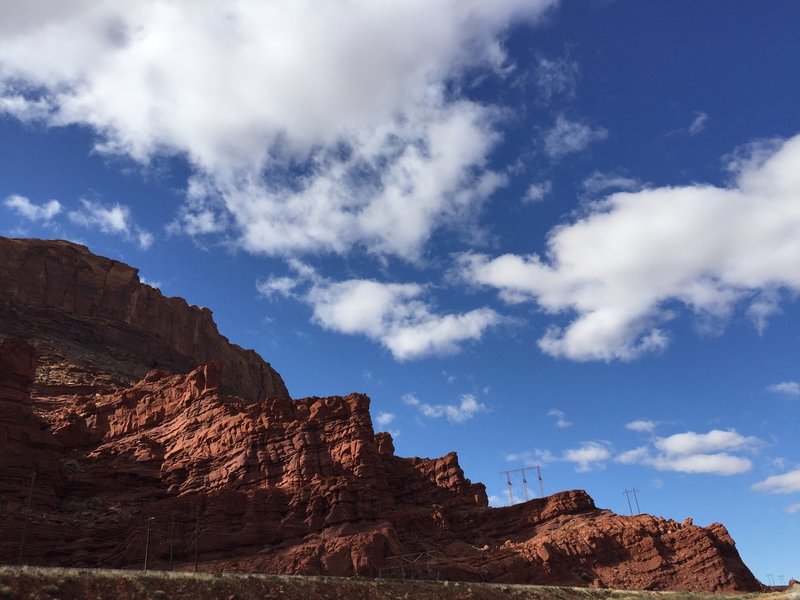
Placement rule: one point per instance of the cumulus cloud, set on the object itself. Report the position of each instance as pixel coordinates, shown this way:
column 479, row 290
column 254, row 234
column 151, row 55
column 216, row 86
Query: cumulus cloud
column 467, row 408
column 788, row 483
column 33, row 212
column 308, row 128
column 588, row 456
column 641, row 425
column 560, row 417
column 789, row 388
column 568, row 137
column 692, row 452
column 112, row 219
column 623, row 270
column 396, row 315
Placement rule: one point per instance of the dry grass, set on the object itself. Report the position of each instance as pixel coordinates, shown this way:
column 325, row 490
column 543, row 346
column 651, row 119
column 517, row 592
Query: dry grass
column 34, row 583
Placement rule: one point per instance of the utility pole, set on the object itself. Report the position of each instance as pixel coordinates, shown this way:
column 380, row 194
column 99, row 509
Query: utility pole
column 27, row 516
column 632, row 492
column 147, row 542
column 196, row 539
column 171, row 539
column 541, row 481
column 771, row 580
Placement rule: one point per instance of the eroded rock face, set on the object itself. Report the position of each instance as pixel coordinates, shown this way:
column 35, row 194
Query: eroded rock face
column 224, row 466
column 88, row 315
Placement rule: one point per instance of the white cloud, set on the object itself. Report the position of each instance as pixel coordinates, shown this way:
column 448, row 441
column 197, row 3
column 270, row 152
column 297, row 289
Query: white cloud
column 537, row 192
column 692, row 452
column 113, row 219
column 467, row 408
column 308, row 127
column 588, row 456
column 561, row 418
column 793, row 509
column 698, row 124
column 33, row 212
column 556, row 77
column 641, row 425
column 788, row 483
column 698, row 443
column 790, row 388
column 155, row 284
column 384, row 419
column 568, row 137
column 281, row 286
column 396, row 315
column 600, row 182
column 622, row 270
column 108, row 219
column 532, row 458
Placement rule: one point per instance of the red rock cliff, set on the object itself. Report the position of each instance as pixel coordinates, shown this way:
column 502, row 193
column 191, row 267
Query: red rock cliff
column 75, row 305
column 209, row 455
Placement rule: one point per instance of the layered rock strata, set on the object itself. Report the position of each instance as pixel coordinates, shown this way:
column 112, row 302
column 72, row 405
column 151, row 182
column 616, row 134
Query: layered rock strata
column 208, row 458
column 93, row 321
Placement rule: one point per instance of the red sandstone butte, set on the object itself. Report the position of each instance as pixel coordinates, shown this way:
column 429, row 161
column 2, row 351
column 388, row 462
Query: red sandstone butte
column 137, row 416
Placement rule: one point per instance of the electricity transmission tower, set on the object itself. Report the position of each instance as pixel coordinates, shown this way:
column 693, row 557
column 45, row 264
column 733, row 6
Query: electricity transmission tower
column 523, row 471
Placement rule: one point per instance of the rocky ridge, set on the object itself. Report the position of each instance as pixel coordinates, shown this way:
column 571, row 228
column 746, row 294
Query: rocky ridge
column 207, row 455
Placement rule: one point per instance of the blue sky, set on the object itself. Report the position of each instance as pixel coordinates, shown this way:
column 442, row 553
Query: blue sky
column 534, row 232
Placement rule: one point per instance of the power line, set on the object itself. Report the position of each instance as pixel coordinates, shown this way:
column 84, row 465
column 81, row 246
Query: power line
column 632, row 492
column 522, row 471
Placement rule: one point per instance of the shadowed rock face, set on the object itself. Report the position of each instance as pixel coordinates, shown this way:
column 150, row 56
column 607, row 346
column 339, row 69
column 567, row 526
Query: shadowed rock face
column 93, row 321
column 210, row 442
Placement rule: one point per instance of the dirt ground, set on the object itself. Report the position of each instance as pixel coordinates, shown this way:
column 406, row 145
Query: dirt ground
column 34, row 583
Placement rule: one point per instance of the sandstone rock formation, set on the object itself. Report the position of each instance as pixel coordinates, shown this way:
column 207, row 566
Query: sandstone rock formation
column 88, row 315
column 170, row 433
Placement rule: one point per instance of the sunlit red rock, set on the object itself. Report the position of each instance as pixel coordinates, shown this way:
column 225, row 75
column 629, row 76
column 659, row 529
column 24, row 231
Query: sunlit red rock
column 139, row 409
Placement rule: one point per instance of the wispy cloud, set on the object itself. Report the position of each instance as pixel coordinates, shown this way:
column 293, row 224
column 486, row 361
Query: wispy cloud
column 568, row 137
column 787, row 483
column 560, row 418
column 115, row 219
column 384, row 419
column 556, row 77
column 788, row 388
column 599, row 182
column 698, row 124
column 467, row 408
column 586, row 456
column 641, row 425
column 537, row 192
